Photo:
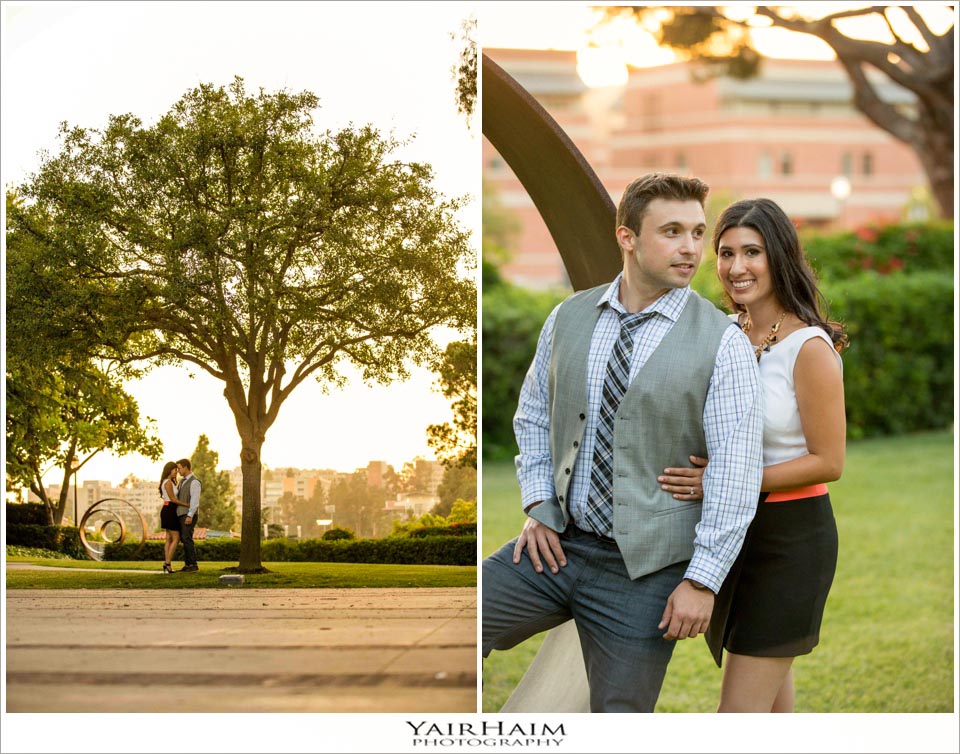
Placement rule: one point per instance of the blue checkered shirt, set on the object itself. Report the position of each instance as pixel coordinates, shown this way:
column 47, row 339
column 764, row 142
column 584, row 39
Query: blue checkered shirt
column 732, row 422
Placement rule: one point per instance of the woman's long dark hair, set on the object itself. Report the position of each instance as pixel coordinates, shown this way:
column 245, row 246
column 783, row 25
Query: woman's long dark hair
column 794, row 283
column 167, row 468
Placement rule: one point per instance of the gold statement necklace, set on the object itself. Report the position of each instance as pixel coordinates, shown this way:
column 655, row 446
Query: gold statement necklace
column 770, row 338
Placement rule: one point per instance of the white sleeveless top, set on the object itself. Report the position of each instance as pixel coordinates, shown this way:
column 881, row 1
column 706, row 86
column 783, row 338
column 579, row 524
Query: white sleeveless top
column 783, row 438
column 163, row 492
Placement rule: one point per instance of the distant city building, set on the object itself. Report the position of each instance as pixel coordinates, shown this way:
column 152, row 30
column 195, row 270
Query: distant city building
column 786, row 135
column 144, row 495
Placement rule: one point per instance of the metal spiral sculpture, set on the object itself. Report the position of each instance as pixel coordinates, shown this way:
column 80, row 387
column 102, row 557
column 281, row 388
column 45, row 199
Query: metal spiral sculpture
column 110, row 521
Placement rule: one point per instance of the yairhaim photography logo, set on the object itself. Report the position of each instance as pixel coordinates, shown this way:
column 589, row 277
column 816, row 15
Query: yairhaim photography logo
column 486, row 734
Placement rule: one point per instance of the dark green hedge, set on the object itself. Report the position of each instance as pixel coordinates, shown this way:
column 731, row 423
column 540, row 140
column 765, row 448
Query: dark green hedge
column 442, row 550
column 898, row 371
column 65, row 539
column 910, row 248
column 26, row 513
column 512, row 319
column 452, row 530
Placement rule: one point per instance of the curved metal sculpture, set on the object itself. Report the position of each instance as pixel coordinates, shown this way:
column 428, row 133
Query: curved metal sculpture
column 106, row 521
column 575, row 206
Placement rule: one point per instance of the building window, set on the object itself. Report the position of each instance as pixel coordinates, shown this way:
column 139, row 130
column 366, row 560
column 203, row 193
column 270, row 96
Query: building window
column 846, row 164
column 786, row 164
column 868, row 163
column 765, row 165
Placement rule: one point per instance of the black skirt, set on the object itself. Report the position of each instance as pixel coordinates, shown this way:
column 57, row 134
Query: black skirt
column 168, row 517
column 771, row 604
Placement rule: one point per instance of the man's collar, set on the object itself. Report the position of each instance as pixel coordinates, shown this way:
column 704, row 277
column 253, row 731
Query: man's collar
column 670, row 304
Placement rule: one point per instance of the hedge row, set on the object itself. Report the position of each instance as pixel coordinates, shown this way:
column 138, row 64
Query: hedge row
column 444, row 550
column 65, row 539
column 512, row 319
column 451, row 530
column 898, row 371
column 914, row 247
column 26, row 513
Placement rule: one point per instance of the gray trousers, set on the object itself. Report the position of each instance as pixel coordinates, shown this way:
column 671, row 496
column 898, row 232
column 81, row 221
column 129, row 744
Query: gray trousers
column 624, row 652
column 186, row 539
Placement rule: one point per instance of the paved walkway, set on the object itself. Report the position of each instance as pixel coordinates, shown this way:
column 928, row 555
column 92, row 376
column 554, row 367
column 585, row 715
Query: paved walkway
column 241, row 650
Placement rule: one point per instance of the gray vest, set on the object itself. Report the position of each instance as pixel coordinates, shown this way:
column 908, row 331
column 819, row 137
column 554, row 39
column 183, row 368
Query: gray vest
column 183, row 493
column 659, row 423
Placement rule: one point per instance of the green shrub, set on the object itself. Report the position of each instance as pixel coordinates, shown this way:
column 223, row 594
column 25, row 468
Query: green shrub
column 434, row 550
column 65, row 539
column 17, row 551
column 913, row 247
column 898, row 371
column 450, row 530
column 512, row 320
column 338, row 533
column 27, row 513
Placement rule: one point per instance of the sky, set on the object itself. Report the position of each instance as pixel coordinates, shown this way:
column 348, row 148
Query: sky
column 604, row 51
column 79, row 62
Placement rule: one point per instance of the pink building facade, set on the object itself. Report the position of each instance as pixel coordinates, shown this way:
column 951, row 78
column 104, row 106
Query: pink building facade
column 786, row 135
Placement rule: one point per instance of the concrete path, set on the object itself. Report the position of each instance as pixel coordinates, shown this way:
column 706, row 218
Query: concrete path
column 241, row 650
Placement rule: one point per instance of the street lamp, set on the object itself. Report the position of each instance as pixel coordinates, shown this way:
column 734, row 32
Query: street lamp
column 840, row 188
column 75, row 466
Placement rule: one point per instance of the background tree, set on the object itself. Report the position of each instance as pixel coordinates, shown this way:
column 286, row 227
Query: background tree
column 455, row 442
column 465, row 70
column 231, row 237
column 304, row 512
column 61, row 402
column 357, row 506
column 217, row 507
column 722, row 44
column 458, row 483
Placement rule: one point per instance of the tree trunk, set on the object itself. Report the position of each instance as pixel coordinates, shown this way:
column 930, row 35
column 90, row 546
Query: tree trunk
column 934, row 146
column 251, row 467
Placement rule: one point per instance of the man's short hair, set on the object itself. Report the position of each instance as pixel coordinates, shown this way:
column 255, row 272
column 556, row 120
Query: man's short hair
column 185, row 462
column 646, row 188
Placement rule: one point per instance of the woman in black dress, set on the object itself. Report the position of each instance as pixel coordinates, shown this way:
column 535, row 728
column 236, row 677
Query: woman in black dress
column 168, row 513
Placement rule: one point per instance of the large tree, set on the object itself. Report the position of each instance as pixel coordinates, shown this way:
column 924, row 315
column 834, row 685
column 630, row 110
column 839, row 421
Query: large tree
column 61, row 402
column 232, row 237
column 707, row 34
column 217, row 508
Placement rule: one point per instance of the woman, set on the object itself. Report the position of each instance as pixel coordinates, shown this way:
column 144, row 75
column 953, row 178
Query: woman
column 168, row 513
column 771, row 604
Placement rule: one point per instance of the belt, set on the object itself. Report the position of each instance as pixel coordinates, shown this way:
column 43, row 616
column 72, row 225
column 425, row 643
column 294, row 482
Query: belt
column 591, row 533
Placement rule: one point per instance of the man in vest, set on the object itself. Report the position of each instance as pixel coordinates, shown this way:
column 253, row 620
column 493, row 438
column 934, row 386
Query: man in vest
column 628, row 379
column 188, row 492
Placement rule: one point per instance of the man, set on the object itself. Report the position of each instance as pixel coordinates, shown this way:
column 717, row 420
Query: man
column 188, row 492
column 628, row 379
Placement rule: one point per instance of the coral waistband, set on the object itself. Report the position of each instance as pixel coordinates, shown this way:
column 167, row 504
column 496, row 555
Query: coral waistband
column 814, row 490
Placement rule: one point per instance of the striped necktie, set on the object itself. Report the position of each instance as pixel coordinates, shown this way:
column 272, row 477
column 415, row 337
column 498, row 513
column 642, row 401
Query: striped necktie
column 599, row 511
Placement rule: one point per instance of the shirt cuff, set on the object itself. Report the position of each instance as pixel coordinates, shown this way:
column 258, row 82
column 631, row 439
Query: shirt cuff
column 699, row 570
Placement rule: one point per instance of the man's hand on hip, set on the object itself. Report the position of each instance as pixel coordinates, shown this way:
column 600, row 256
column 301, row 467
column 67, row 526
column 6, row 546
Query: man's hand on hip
column 540, row 541
column 188, row 520
column 688, row 612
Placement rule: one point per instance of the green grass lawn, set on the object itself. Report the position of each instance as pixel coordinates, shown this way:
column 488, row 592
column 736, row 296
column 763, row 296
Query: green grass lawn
column 87, row 574
column 887, row 640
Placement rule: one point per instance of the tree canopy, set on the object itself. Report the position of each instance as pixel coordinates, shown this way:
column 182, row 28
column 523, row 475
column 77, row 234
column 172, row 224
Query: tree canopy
column 61, row 401
column 232, row 237
column 708, row 34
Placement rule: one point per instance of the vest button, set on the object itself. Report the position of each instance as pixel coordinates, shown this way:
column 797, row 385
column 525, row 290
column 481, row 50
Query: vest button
column 560, row 498
column 566, row 471
column 583, row 416
column 576, row 444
